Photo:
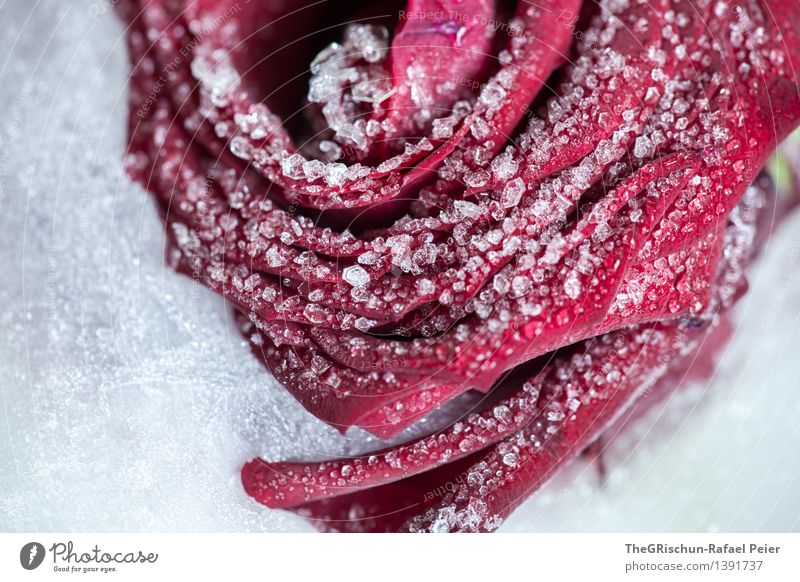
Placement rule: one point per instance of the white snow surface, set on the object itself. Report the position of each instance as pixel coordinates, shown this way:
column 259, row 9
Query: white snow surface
column 129, row 401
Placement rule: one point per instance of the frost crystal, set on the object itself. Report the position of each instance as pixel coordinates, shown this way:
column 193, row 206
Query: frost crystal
column 356, row 276
column 512, row 193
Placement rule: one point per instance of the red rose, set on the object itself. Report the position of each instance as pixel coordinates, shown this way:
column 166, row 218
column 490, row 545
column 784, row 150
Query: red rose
column 541, row 202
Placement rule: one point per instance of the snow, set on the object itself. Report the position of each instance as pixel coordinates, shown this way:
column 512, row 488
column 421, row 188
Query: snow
column 129, row 400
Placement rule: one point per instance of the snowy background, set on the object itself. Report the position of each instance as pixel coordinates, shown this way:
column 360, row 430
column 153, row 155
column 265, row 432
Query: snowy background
column 128, row 400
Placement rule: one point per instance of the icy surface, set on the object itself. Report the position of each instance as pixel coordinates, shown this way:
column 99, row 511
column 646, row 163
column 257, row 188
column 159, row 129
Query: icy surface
column 129, row 400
